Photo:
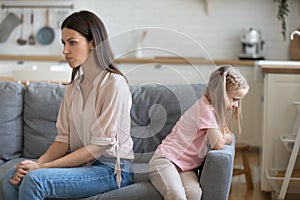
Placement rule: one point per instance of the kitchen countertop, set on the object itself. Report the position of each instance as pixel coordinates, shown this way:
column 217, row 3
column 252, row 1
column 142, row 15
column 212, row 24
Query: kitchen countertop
column 161, row 60
column 279, row 66
column 267, row 66
column 31, row 58
column 188, row 60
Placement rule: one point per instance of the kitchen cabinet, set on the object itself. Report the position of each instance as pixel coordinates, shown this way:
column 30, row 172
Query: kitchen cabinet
column 279, row 113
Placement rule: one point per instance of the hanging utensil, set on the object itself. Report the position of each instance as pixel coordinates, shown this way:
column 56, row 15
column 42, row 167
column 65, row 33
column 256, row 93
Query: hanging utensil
column 46, row 34
column 31, row 38
column 8, row 25
column 21, row 40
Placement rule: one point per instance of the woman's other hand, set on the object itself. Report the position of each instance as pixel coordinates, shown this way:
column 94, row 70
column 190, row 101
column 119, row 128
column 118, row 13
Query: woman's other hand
column 28, row 165
column 22, row 169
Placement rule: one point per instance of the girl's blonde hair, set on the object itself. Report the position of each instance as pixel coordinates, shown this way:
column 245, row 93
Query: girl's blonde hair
column 220, row 82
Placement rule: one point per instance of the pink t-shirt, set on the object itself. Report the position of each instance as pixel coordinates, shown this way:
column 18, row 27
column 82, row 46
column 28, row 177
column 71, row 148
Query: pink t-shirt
column 188, row 144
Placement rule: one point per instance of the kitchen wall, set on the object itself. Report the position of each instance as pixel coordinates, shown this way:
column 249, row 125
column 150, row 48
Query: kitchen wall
column 177, row 27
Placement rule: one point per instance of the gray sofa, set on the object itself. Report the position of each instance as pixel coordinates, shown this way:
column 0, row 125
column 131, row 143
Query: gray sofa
column 27, row 127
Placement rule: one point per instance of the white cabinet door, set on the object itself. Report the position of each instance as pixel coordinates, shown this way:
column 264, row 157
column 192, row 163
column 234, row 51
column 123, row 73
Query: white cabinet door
column 280, row 91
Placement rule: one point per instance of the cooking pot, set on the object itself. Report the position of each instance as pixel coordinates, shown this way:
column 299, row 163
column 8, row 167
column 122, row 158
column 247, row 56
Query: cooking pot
column 46, row 34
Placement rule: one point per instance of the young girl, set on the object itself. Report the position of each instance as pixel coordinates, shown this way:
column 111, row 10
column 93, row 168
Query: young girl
column 201, row 128
column 92, row 152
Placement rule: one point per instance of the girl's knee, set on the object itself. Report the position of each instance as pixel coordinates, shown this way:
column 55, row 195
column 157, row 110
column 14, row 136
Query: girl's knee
column 193, row 193
column 191, row 185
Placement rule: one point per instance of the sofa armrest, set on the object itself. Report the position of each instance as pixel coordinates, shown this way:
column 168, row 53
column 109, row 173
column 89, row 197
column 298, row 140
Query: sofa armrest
column 216, row 176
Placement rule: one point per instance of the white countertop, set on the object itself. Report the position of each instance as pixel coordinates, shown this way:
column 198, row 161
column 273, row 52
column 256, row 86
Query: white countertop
column 279, row 63
column 279, row 66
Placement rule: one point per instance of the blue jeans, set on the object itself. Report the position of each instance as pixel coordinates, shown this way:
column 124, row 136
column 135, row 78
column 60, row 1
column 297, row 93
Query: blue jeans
column 77, row 182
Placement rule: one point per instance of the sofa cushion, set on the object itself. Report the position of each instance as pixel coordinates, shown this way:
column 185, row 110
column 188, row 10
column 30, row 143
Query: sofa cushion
column 11, row 122
column 41, row 106
column 140, row 172
column 155, row 110
column 136, row 191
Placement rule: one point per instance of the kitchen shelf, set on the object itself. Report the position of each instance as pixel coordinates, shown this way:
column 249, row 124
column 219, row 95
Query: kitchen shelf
column 187, row 60
column 276, row 181
column 287, row 184
column 159, row 60
column 37, row 4
column 288, row 141
column 31, row 58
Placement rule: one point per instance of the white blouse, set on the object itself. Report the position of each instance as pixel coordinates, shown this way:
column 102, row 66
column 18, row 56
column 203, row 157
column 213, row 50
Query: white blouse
column 103, row 120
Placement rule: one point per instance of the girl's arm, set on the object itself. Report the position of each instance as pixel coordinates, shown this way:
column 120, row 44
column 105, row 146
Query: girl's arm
column 217, row 139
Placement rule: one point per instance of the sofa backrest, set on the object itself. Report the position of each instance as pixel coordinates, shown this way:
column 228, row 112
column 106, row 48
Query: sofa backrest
column 155, row 110
column 11, row 120
column 41, row 106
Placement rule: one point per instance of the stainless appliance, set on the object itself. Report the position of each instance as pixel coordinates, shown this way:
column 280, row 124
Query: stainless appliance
column 252, row 45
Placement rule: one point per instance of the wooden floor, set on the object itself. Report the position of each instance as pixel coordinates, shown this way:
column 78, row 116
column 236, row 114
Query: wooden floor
column 239, row 192
column 239, row 189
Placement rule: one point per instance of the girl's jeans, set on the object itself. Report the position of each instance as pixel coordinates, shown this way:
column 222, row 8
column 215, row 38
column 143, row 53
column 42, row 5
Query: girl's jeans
column 77, row 182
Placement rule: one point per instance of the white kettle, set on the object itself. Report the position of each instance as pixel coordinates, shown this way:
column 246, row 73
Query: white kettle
column 252, row 45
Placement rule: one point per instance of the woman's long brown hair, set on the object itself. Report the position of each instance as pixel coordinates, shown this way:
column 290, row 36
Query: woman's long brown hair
column 92, row 28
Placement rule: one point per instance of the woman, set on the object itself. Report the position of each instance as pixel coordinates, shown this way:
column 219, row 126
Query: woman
column 92, row 152
column 201, row 128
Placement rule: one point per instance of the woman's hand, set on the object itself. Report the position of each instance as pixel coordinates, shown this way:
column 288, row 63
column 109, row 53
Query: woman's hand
column 18, row 176
column 22, row 169
column 28, row 165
